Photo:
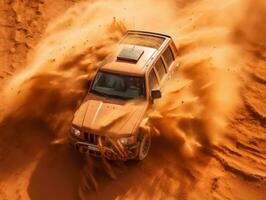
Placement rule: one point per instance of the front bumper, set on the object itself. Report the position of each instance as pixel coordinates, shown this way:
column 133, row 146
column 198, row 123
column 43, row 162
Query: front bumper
column 112, row 152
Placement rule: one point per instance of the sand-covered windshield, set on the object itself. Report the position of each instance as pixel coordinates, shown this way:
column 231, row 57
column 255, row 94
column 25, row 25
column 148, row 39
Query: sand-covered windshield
column 119, row 86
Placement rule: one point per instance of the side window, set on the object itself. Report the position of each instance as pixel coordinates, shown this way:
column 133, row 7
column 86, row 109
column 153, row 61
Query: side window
column 153, row 80
column 159, row 65
column 168, row 56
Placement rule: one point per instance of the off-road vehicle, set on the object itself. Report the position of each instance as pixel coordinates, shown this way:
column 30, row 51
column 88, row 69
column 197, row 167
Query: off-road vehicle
column 108, row 122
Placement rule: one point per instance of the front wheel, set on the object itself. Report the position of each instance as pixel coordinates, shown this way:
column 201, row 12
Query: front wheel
column 144, row 147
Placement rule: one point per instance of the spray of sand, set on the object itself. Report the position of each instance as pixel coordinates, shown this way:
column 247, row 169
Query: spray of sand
column 196, row 107
column 71, row 50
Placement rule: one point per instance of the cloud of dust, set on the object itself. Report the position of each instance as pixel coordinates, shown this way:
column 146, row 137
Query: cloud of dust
column 57, row 75
column 199, row 102
column 196, row 106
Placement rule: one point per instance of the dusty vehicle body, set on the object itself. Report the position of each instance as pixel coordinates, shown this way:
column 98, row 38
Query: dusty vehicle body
column 108, row 122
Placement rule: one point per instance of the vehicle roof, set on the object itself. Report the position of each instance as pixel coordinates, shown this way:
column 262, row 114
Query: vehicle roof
column 136, row 51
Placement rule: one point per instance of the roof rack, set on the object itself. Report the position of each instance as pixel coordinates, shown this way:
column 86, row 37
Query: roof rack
column 150, row 33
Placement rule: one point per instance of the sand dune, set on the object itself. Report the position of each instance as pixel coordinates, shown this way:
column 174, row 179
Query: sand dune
column 211, row 146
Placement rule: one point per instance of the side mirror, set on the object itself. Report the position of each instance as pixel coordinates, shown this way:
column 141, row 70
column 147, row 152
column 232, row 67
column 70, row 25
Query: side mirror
column 156, row 94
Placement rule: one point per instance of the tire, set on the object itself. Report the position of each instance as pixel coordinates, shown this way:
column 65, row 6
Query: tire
column 144, row 147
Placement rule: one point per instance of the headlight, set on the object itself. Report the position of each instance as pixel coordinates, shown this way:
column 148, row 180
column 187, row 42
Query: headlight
column 127, row 140
column 75, row 132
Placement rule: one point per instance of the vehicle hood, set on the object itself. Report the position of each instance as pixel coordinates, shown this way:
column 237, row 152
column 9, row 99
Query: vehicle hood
column 114, row 118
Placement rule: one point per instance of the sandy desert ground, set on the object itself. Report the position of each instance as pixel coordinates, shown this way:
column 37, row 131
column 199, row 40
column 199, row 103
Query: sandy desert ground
column 210, row 146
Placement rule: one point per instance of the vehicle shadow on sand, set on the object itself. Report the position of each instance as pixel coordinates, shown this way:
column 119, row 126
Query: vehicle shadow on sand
column 162, row 174
column 57, row 174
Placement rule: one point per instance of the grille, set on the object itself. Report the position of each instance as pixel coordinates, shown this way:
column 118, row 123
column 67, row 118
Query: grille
column 91, row 138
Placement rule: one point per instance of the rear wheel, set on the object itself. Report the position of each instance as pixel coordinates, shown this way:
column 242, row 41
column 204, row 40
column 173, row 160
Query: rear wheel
column 144, row 147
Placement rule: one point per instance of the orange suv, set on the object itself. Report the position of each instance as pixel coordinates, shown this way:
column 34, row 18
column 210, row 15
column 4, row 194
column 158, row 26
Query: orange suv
column 109, row 120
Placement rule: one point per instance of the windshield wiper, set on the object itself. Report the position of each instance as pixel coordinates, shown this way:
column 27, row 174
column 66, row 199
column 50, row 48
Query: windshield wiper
column 100, row 93
column 118, row 96
column 110, row 95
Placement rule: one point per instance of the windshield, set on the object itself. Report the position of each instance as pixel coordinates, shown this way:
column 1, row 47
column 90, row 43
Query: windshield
column 120, row 86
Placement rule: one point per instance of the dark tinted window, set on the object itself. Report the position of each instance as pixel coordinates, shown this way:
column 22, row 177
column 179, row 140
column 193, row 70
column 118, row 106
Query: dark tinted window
column 168, row 56
column 117, row 85
column 159, row 65
column 153, row 80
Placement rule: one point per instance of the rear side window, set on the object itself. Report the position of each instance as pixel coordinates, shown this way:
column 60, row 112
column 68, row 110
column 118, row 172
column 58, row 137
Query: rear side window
column 168, row 56
column 159, row 66
column 153, row 80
